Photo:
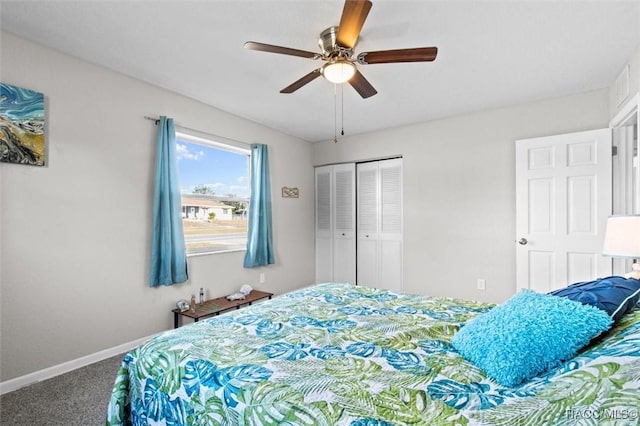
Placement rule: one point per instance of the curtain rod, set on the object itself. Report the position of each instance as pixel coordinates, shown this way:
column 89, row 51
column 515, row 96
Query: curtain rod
column 244, row 145
column 157, row 120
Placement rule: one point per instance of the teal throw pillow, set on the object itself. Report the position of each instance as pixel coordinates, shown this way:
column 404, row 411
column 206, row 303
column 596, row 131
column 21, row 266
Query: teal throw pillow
column 528, row 334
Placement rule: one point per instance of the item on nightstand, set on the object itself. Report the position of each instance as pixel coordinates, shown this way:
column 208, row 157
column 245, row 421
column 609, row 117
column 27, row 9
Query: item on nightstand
column 246, row 289
column 236, row 296
column 193, row 303
column 182, row 305
column 201, row 295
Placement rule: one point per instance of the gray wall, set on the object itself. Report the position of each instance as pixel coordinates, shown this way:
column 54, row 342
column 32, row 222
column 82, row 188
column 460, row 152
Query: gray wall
column 76, row 234
column 459, row 189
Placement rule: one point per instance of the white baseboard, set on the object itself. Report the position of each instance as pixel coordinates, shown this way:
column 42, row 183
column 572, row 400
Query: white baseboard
column 65, row 367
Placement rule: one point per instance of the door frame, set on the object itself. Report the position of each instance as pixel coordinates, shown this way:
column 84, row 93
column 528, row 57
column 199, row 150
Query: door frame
column 624, row 115
column 621, row 204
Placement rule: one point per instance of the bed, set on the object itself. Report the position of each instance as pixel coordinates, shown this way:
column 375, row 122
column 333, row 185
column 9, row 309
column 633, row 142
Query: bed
column 337, row 354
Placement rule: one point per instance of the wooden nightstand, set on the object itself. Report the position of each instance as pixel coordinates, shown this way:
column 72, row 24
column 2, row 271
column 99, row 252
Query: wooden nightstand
column 216, row 306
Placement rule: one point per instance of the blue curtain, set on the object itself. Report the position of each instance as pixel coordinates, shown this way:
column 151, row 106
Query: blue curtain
column 168, row 252
column 259, row 238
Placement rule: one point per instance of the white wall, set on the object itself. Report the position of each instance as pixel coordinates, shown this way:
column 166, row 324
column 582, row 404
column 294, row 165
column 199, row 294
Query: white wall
column 76, row 234
column 459, row 189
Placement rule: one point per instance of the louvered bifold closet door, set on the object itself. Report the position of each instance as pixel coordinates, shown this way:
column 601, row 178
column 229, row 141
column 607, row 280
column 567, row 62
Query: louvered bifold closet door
column 368, row 199
column 344, row 224
column 379, row 224
column 324, row 224
column 390, row 234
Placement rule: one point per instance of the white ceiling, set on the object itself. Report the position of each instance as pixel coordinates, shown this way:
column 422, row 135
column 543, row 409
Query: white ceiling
column 491, row 53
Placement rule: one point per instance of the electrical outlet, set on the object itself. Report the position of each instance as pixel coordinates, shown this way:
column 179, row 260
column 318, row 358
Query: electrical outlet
column 261, row 277
column 481, row 284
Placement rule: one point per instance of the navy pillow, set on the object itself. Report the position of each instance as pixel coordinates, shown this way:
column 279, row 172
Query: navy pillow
column 614, row 295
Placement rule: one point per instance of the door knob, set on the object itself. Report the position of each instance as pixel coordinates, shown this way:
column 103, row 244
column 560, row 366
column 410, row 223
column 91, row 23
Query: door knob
column 523, row 241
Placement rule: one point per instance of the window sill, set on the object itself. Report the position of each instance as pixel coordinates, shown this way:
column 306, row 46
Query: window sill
column 207, row 253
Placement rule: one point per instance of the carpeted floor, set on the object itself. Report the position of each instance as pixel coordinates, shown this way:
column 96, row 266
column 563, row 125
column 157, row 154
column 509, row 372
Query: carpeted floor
column 77, row 398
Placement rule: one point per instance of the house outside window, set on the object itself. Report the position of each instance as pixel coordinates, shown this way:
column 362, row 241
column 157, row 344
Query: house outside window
column 214, row 188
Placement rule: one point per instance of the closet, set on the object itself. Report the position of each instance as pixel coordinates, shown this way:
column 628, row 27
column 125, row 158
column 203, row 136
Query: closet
column 359, row 223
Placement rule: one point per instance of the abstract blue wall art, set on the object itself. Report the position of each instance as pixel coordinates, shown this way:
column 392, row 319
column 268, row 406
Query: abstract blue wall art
column 22, row 138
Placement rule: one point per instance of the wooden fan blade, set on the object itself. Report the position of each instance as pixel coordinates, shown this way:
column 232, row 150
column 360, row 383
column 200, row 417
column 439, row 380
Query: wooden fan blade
column 354, row 14
column 419, row 54
column 362, row 85
column 304, row 80
column 262, row 47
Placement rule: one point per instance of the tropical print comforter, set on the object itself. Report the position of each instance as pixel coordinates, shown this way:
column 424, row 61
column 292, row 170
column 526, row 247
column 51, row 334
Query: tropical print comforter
column 337, row 354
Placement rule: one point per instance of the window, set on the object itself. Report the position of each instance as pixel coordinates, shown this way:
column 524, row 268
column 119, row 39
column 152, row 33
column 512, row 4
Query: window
column 214, row 187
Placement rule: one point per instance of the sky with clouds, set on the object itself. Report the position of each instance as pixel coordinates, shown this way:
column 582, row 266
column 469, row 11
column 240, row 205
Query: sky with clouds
column 225, row 172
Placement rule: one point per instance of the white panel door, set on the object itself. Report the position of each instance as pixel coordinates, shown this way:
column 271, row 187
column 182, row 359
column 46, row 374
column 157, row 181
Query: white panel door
column 344, row 223
column 563, row 199
column 324, row 224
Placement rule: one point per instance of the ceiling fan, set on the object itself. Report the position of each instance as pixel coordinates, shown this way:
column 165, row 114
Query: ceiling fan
column 337, row 44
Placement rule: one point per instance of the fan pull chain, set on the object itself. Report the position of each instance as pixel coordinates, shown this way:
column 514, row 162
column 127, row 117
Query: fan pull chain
column 335, row 113
column 342, row 107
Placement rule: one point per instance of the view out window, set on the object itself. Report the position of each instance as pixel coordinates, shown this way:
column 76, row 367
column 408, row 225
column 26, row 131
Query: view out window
column 214, row 187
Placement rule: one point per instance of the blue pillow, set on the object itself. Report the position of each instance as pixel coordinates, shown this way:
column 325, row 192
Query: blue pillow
column 527, row 335
column 614, row 295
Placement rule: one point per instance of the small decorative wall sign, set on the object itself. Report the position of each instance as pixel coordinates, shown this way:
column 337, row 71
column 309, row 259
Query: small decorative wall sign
column 22, row 138
column 290, row 192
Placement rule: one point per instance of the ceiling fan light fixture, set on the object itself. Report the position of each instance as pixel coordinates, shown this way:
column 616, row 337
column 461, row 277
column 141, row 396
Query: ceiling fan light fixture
column 338, row 72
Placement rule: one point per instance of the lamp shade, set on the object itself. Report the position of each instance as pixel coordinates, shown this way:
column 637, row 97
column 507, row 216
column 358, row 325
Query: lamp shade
column 622, row 237
column 338, row 71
